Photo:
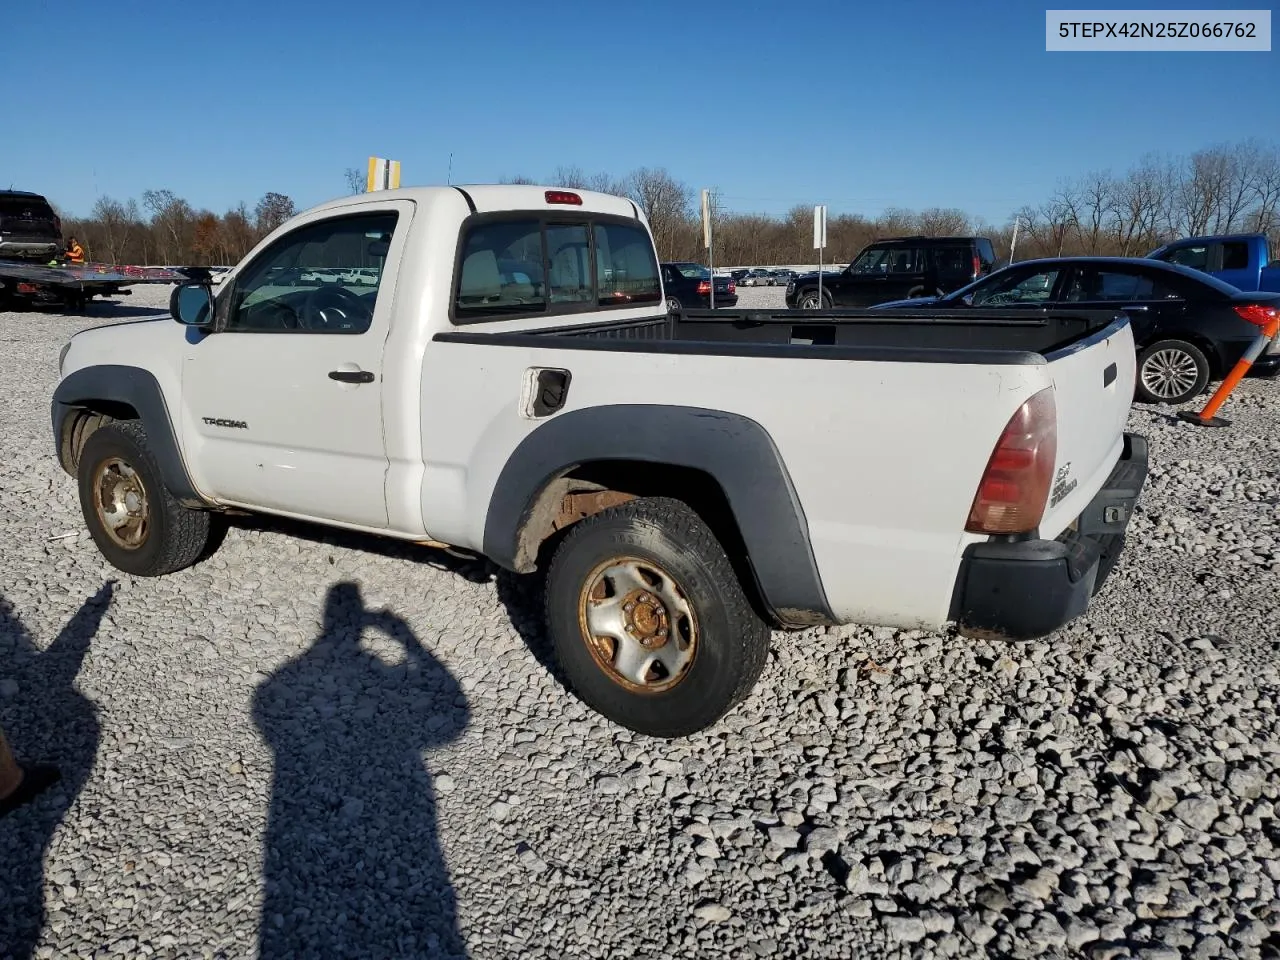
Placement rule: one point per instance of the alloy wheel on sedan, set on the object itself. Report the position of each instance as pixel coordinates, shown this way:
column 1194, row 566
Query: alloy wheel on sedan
column 1172, row 371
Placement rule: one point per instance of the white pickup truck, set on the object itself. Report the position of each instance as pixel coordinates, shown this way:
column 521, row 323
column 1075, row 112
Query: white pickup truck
column 512, row 384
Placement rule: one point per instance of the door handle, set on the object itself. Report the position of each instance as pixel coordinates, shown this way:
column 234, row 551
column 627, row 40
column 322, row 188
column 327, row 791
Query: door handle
column 351, row 376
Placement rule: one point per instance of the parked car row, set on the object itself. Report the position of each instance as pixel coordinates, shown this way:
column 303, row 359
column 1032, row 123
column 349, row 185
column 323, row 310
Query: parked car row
column 760, row 277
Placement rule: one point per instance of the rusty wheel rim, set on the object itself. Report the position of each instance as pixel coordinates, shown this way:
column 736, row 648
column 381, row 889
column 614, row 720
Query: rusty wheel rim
column 638, row 624
column 120, row 500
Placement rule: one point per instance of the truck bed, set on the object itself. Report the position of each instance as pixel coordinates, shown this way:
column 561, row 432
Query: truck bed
column 1009, row 336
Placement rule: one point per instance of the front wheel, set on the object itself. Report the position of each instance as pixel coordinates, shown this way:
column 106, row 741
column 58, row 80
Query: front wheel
column 135, row 521
column 650, row 624
column 1172, row 371
column 809, row 301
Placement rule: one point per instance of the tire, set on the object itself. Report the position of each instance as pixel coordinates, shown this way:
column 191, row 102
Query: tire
column 1171, row 371
column 808, row 300
column 673, row 305
column 656, row 554
column 162, row 536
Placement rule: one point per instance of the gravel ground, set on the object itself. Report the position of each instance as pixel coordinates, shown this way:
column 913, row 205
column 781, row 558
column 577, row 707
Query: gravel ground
column 317, row 745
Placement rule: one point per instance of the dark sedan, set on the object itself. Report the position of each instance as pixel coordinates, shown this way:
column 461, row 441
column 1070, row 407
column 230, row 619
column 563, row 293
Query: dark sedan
column 688, row 285
column 1189, row 328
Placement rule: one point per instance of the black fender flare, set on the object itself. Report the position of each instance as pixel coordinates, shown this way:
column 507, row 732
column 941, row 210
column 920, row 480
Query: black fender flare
column 736, row 451
column 136, row 388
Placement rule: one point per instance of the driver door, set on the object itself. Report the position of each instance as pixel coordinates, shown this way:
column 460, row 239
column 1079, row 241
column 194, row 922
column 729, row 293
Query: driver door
column 282, row 401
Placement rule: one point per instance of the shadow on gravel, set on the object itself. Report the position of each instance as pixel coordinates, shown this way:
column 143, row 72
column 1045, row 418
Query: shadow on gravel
column 522, row 597
column 475, row 569
column 352, row 865
column 46, row 720
column 113, row 310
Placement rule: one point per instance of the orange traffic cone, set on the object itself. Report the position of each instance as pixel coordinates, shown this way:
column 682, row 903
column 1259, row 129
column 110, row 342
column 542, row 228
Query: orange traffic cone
column 1269, row 319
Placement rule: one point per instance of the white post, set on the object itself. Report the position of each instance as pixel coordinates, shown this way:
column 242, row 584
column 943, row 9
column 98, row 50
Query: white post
column 706, row 236
column 1013, row 244
column 819, row 242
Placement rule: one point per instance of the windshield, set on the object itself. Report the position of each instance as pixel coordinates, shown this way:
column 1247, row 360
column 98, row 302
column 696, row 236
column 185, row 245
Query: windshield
column 1011, row 285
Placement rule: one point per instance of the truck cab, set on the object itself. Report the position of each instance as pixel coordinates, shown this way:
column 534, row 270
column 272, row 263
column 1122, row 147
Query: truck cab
column 1243, row 260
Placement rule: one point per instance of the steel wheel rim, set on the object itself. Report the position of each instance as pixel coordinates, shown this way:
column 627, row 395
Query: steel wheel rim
column 811, row 302
column 1169, row 373
column 673, row 305
column 120, row 500
column 638, row 625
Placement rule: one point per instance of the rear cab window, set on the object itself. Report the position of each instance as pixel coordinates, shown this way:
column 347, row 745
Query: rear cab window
column 527, row 265
column 1235, row 255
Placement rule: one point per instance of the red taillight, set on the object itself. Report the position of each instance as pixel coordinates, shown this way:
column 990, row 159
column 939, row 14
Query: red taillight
column 563, row 196
column 977, row 268
column 1257, row 313
column 1015, row 486
column 732, row 286
column 704, row 286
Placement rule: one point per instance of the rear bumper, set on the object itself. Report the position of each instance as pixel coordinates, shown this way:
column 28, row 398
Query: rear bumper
column 1028, row 589
column 28, row 248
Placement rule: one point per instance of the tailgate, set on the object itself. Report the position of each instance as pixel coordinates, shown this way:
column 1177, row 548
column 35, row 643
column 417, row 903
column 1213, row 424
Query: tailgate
column 1093, row 382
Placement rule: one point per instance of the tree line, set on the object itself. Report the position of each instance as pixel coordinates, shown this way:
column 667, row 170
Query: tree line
column 166, row 229
column 1221, row 189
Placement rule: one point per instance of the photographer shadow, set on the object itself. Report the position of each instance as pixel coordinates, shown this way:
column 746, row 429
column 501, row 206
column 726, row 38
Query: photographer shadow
column 352, row 865
column 45, row 718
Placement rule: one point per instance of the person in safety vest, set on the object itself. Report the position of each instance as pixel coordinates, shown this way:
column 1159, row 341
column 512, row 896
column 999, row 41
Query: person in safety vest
column 75, row 252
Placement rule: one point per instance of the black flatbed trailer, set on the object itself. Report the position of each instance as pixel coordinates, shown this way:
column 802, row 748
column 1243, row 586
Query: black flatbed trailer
column 75, row 285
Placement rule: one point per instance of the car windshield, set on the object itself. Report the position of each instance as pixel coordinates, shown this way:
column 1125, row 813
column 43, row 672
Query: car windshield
column 1008, row 286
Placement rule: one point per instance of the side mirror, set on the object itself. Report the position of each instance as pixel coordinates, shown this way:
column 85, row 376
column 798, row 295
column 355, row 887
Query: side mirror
column 191, row 304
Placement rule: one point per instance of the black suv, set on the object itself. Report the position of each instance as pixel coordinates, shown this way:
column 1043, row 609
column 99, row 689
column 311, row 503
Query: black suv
column 895, row 270
column 29, row 229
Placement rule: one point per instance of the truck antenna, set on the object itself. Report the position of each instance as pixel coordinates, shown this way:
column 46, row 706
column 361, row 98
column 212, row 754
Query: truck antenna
column 450, row 181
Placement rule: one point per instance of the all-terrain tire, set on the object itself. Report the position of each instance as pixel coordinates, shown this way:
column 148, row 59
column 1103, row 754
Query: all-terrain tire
column 729, row 640
column 170, row 536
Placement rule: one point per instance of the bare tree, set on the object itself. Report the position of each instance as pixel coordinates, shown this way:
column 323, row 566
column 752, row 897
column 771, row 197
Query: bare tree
column 570, row 177
column 519, row 180
column 666, row 202
column 949, row 222
column 357, row 179
column 113, row 228
column 170, row 220
column 272, row 210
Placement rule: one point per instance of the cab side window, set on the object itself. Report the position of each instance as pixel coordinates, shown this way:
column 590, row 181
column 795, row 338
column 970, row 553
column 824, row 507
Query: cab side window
column 323, row 277
column 1197, row 258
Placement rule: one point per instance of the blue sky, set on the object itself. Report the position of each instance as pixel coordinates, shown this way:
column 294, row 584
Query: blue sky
column 862, row 105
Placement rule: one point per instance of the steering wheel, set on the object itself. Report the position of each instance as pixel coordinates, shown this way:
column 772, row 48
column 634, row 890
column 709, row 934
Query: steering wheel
column 333, row 307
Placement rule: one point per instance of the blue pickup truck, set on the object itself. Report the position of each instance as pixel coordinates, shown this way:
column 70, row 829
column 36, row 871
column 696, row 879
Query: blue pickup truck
column 1243, row 260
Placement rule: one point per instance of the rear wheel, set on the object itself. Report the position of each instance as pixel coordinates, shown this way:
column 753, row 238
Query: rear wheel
column 809, row 301
column 1172, row 371
column 649, row 621
column 137, row 524
column 673, row 305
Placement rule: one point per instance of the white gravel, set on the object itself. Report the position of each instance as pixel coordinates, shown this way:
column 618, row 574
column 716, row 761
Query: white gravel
column 418, row 783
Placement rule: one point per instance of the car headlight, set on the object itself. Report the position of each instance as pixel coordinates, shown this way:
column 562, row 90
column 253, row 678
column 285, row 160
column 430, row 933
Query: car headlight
column 62, row 356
